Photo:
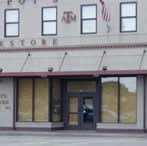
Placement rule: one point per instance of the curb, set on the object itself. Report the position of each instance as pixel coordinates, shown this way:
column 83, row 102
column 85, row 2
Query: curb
column 69, row 134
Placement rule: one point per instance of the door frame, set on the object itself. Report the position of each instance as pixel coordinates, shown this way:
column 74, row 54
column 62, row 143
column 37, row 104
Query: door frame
column 80, row 95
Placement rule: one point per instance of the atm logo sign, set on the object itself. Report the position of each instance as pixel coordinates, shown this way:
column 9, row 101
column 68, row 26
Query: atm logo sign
column 68, row 16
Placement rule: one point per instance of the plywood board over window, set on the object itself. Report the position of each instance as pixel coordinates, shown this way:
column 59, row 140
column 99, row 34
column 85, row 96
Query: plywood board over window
column 119, row 100
column 25, row 90
column 128, row 100
column 81, row 86
column 33, row 99
column 41, row 101
column 109, row 99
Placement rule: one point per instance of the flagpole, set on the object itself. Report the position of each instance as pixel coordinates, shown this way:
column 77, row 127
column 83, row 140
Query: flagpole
column 105, row 15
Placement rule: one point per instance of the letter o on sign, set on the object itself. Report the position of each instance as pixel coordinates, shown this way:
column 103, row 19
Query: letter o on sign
column 3, row 96
column 33, row 42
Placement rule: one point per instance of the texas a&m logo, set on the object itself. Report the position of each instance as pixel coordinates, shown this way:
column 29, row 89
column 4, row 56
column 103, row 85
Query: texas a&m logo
column 68, row 16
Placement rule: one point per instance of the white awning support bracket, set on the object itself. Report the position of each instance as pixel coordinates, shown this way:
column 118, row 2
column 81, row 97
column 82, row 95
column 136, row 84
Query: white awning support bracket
column 65, row 54
column 28, row 55
column 101, row 61
column 142, row 57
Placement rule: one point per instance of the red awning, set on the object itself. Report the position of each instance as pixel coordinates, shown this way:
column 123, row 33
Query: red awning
column 74, row 73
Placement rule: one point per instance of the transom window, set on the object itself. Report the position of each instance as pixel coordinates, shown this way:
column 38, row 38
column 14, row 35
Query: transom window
column 128, row 16
column 88, row 19
column 12, row 23
column 49, row 21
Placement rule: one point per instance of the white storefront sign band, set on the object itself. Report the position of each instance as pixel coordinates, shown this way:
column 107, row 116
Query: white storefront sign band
column 22, row 2
column 27, row 43
column 9, row 2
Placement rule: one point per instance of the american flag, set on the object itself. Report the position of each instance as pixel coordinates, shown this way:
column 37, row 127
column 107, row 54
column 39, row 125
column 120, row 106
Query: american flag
column 105, row 14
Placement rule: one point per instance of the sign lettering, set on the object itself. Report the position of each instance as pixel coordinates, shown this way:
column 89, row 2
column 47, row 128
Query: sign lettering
column 21, row 2
column 68, row 16
column 4, row 102
column 27, row 43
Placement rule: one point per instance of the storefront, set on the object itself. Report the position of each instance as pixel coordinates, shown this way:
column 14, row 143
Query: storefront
column 69, row 69
column 102, row 100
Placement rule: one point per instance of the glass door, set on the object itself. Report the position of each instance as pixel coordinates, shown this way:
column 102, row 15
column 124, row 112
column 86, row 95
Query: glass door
column 73, row 114
column 81, row 112
column 87, row 113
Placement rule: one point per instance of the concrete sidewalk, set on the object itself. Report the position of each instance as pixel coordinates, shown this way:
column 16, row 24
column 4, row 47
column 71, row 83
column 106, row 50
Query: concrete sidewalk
column 71, row 133
column 70, row 138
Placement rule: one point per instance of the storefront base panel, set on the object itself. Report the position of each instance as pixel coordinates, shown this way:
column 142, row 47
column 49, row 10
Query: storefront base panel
column 38, row 129
column 6, row 128
column 131, row 131
column 39, row 126
column 119, row 128
column 50, row 129
column 116, row 126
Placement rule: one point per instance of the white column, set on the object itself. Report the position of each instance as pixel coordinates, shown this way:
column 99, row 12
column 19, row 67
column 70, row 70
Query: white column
column 140, row 102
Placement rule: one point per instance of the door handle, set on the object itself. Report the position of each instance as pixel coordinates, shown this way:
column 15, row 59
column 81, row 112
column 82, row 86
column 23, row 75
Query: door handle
column 83, row 111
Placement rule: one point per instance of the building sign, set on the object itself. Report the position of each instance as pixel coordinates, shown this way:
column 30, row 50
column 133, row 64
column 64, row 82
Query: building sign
column 21, row 43
column 68, row 16
column 20, row 1
column 4, row 102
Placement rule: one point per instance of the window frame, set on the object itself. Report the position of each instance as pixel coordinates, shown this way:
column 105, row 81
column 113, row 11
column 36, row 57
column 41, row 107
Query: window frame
column 50, row 98
column 88, row 19
column 119, row 97
column 42, row 22
column 127, row 17
column 5, row 23
column 33, row 99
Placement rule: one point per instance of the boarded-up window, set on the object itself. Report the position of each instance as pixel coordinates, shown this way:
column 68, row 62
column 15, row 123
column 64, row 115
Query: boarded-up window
column 119, row 100
column 127, row 100
column 109, row 99
column 25, row 90
column 81, row 86
column 41, row 101
column 33, row 99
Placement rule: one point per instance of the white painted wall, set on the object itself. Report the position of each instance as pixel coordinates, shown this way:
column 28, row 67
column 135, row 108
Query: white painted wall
column 6, row 110
column 69, row 34
column 146, row 102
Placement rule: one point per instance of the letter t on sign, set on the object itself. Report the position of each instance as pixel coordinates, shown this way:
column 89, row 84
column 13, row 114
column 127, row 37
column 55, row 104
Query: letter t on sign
column 35, row 2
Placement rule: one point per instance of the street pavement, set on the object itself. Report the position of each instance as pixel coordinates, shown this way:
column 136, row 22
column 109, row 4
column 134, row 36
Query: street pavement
column 71, row 139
